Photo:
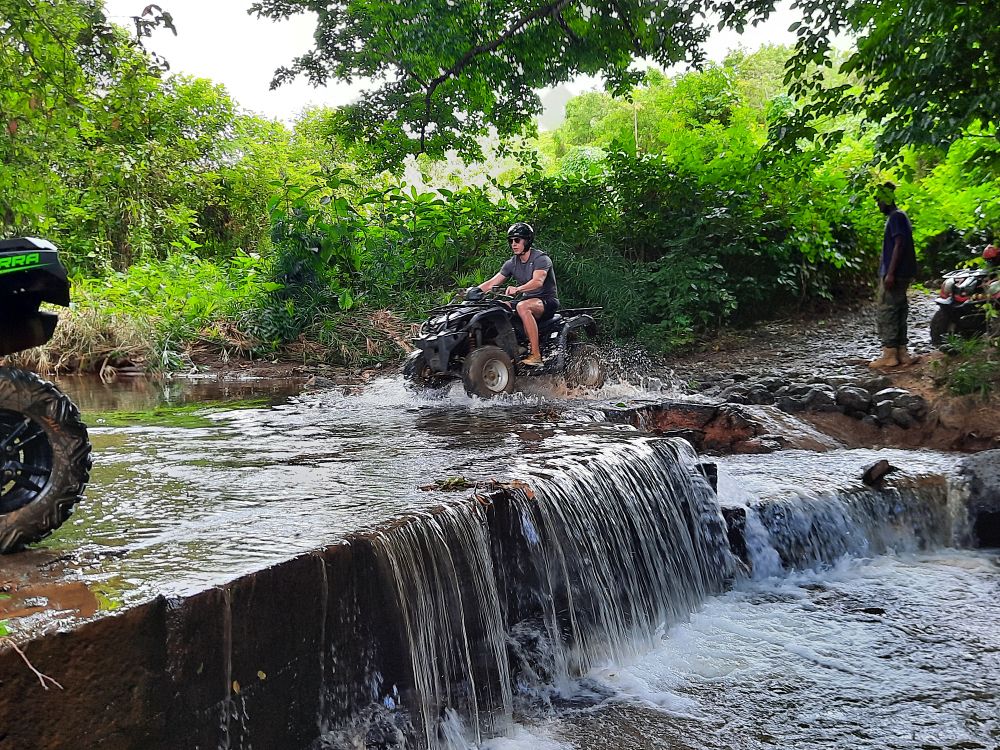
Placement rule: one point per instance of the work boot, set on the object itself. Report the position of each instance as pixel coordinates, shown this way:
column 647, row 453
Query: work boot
column 889, row 358
column 532, row 360
column 904, row 356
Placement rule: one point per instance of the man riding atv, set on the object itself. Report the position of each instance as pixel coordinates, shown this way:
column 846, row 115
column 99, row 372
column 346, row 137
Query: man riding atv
column 536, row 283
column 487, row 339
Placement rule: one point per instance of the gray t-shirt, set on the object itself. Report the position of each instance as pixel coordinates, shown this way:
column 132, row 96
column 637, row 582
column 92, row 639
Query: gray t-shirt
column 522, row 273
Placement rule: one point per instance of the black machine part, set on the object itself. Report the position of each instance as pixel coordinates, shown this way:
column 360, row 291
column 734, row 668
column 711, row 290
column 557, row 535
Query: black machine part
column 30, row 274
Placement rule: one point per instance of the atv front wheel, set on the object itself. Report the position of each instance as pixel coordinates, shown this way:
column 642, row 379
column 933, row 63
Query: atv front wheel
column 488, row 372
column 418, row 375
column 584, row 368
column 44, row 458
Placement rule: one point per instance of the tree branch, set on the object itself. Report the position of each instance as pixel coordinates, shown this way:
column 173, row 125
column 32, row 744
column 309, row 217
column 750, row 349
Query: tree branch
column 41, row 677
column 463, row 62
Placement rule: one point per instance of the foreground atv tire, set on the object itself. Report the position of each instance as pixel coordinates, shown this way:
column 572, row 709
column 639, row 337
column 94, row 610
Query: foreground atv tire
column 942, row 325
column 488, row 372
column 44, row 458
column 584, row 368
column 418, row 375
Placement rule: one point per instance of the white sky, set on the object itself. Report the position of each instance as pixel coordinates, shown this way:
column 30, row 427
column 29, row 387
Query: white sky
column 216, row 39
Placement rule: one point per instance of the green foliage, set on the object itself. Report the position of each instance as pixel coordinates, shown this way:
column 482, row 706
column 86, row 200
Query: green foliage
column 973, row 365
column 927, row 70
column 184, row 295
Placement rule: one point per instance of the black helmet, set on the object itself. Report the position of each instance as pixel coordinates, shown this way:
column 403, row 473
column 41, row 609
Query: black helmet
column 521, row 230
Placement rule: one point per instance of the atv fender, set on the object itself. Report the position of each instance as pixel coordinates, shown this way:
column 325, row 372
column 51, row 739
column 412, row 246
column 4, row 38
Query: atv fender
column 438, row 348
column 497, row 319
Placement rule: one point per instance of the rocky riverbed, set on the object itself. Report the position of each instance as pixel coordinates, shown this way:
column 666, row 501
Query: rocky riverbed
column 818, row 369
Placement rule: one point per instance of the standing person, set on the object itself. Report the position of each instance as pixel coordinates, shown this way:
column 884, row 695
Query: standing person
column 896, row 272
column 536, row 282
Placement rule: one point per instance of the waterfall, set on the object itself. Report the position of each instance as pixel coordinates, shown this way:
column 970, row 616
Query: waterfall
column 621, row 544
column 507, row 598
column 807, row 530
column 585, row 563
column 440, row 566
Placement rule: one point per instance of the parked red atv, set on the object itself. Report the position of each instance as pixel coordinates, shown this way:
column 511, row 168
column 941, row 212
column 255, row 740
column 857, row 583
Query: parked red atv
column 44, row 447
column 967, row 295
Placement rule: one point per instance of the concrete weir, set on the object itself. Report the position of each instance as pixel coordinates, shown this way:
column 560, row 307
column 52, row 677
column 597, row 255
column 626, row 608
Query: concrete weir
column 432, row 619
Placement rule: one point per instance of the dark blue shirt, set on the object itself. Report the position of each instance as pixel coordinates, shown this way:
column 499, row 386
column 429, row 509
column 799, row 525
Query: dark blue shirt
column 897, row 224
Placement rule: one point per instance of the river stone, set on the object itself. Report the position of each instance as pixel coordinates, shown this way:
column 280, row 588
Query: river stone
column 871, row 420
column 888, row 394
column 982, row 475
column 735, row 394
column 790, row 404
column 840, row 381
column 901, row 417
column 855, row 400
column 794, row 390
column 773, row 383
column 760, row 395
column 915, row 405
column 821, row 398
column 883, row 410
column 874, row 383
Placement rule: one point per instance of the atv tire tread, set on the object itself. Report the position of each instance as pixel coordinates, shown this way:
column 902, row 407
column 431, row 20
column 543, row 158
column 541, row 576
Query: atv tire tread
column 25, row 393
column 584, row 368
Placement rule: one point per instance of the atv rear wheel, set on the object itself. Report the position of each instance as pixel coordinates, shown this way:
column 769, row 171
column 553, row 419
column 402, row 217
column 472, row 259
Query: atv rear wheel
column 584, row 368
column 488, row 372
column 418, row 375
column 942, row 325
column 44, row 458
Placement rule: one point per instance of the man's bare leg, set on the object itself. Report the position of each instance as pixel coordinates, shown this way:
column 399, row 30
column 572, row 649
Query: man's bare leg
column 529, row 311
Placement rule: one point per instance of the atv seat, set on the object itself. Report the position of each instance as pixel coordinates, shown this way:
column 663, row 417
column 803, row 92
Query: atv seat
column 545, row 324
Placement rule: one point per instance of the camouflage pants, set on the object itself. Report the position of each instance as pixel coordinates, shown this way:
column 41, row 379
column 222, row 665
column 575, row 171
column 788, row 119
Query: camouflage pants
column 892, row 312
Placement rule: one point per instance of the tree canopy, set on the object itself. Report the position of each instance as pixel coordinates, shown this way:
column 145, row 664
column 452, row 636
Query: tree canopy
column 442, row 72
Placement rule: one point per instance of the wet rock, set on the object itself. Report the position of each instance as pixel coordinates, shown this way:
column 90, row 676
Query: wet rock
column 883, row 410
column 874, row 383
column 901, row 417
column 981, row 473
column 853, row 399
column 794, row 390
column 757, row 445
column 773, row 383
column 735, row 394
column 888, row 394
column 913, row 404
column 840, row 381
column 790, row 404
column 871, row 420
column 821, row 398
column 875, row 474
column 760, row 396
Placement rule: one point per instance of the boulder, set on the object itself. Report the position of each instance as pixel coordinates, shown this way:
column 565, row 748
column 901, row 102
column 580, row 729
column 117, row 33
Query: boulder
column 853, row 399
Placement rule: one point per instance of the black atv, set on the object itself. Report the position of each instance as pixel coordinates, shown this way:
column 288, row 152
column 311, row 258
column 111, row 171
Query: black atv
column 481, row 341
column 44, row 447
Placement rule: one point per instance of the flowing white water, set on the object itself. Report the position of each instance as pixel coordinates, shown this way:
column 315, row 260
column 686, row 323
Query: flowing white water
column 886, row 652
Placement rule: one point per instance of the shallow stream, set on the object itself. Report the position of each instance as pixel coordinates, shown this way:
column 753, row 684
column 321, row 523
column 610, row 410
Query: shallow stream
column 884, row 646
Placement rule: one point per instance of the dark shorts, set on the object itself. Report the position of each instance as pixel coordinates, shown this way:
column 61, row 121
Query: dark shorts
column 550, row 306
